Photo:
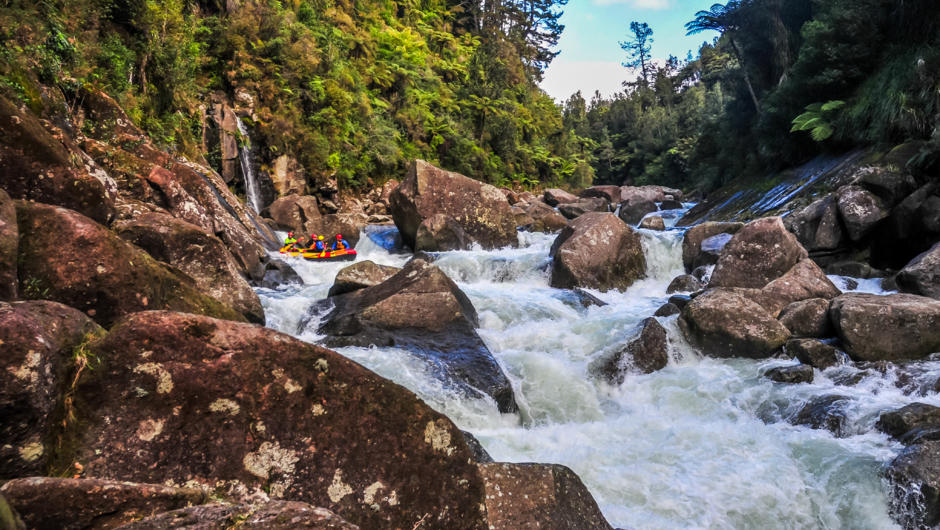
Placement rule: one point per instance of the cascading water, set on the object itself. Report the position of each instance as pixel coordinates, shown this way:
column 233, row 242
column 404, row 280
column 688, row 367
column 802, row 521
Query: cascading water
column 703, row 443
column 252, row 188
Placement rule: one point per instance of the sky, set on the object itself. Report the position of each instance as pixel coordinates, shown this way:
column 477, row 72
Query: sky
column 591, row 57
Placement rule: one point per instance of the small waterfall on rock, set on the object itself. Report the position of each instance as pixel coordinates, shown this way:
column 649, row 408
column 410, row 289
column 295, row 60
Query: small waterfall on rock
column 245, row 156
column 703, row 443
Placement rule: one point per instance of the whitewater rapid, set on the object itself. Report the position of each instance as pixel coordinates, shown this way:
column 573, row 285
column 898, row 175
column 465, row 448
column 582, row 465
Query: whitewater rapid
column 703, row 443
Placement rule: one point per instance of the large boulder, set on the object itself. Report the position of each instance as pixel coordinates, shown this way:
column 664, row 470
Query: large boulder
column 538, row 496
column 544, row 217
column 890, row 328
column 692, row 240
column 67, row 257
column 555, row 196
column 246, row 412
column 817, row 226
column 815, row 353
column 914, row 417
column 581, row 206
column 825, row 412
column 726, row 323
column 860, row 210
column 38, row 342
column 609, row 193
column 922, row 275
column 9, row 243
column 480, row 209
column 888, row 183
column 54, row 503
column 422, row 310
column 684, row 283
column 803, row 281
column 203, row 257
column 646, row 353
column 807, row 318
column 915, row 479
column 360, row 275
column 440, row 233
column 292, row 212
column 39, row 166
column 270, row 515
column 633, row 209
column 760, row 252
column 349, row 225
column 599, row 251
column 912, row 228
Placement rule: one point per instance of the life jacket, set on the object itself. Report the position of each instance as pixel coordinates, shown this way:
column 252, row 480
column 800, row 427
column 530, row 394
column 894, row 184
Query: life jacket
column 319, row 246
column 339, row 244
column 289, row 241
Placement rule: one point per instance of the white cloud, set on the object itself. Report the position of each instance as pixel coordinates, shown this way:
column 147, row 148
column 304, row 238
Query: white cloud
column 563, row 78
column 637, row 4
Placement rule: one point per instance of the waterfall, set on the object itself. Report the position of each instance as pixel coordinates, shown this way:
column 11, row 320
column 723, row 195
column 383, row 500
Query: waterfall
column 245, row 156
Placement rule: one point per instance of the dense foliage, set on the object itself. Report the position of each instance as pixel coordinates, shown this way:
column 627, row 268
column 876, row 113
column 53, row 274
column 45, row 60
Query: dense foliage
column 785, row 81
column 351, row 88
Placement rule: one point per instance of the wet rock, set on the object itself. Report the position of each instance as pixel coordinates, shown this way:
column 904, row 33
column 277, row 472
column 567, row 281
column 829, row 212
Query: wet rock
column 9, row 243
column 38, row 166
column 892, row 327
column 271, row 515
column 702, row 273
column 798, row 373
column 807, row 318
column 555, row 196
column 692, row 240
column 854, row 269
column 578, row 208
column 598, row 251
column 247, row 411
column 916, row 416
column 544, row 217
column 524, row 220
column 915, row 478
column 680, row 300
column 922, row 275
column 667, row 310
column 817, row 226
column 685, row 283
column 611, row 194
column 288, row 176
column 815, row 353
column 349, row 225
column 586, row 299
column 421, row 310
column 889, row 184
column 634, row 209
column 803, row 281
column 440, row 233
column 62, row 503
column 292, row 212
column 760, row 252
column 480, row 209
column 653, row 223
column 725, row 323
column 824, row 412
column 538, row 496
column 670, row 204
column 9, row 519
column 278, row 273
column 203, row 257
column 38, row 339
column 67, row 257
column 480, row 455
column 860, row 210
column 645, row 353
column 360, row 275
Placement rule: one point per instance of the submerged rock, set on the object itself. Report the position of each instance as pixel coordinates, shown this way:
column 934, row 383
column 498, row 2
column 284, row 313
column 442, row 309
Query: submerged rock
column 892, row 327
column 360, row 275
column 598, row 251
column 922, row 275
column 725, row 323
column 646, row 353
column 824, row 412
column 915, row 479
column 9, row 244
column 902, row 422
column 270, row 515
column 421, row 310
column 760, row 252
column 798, row 373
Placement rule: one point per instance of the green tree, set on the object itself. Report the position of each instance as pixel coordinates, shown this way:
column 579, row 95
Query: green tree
column 639, row 50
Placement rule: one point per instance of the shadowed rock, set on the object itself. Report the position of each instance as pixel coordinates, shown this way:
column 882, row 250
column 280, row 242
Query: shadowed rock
column 646, row 353
column 817, row 226
column 598, row 251
column 760, row 252
column 572, row 210
column 293, row 212
column 916, row 416
column 685, row 283
column 440, row 233
column 922, row 275
column 893, row 327
column 915, row 479
column 814, row 353
column 544, row 217
column 824, row 412
column 710, row 250
column 555, row 196
column 271, row 515
column 807, row 318
column 799, row 373
column 609, row 193
column 667, row 310
column 725, row 323
column 692, row 240
column 633, row 209
column 9, row 243
column 860, row 211
column 360, row 275
column 277, row 273
column 803, row 281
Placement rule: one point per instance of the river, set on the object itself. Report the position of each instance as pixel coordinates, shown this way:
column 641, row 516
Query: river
column 703, row 443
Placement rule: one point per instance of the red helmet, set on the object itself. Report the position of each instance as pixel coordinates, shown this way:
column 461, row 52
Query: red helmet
column 339, row 236
column 290, row 233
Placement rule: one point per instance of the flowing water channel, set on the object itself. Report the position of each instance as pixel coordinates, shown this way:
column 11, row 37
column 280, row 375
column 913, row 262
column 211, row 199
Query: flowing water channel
column 703, row 443
column 245, row 158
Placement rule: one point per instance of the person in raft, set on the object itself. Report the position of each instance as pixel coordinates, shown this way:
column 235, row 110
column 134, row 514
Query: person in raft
column 310, row 243
column 290, row 241
column 319, row 246
column 339, row 244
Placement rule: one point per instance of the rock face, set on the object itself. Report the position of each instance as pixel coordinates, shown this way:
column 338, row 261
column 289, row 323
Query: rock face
column 813, row 352
column 37, row 339
column 817, row 226
column 581, row 206
column 555, row 196
column 360, row 275
column 760, row 252
column 92, row 503
column 807, row 318
column 440, row 233
column 67, row 257
column 647, row 352
column 422, row 310
column 803, row 281
column 347, row 224
column 203, row 257
column 538, row 496
column 292, row 212
column 271, row 515
column 480, row 209
column 246, row 410
column 288, row 176
column 893, row 327
column 915, row 477
column 860, row 211
column 725, row 323
column 799, row 373
column 692, row 241
column 597, row 250
column 922, row 275
column 9, row 243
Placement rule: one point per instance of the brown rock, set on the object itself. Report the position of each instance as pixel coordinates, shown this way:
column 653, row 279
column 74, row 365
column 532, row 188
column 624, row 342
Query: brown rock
column 203, row 257
column 861, row 211
column 725, row 323
column 922, row 275
column 272, row 515
column 9, row 243
column 760, row 252
column 890, row 328
column 888, row 183
column 599, row 251
column 915, row 478
column 799, row 373
column 555, row 196
column 667, row 310
column 653, row 223
column 646, row 353
column 360, row 275
column 480, row 209
column 650, row 193
column 67, row 257
column 288, row 177
column 692, row 240
column 37, row 339
column 633, row 209
column 824, row 412
column 246, row 411
column 440, row 233
column 544, row 217
column 710, row 250
column 803, row 281
column 349, row 225
column 294, row 211
column 685, row 283
column 538, row 496
column 421, row 310
column 807, row 318
column 578, row 208
column 63, row 503
column 608, row 193
column 817, row 226
column 524, row 220
column 814, row 353
column 900, row 422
